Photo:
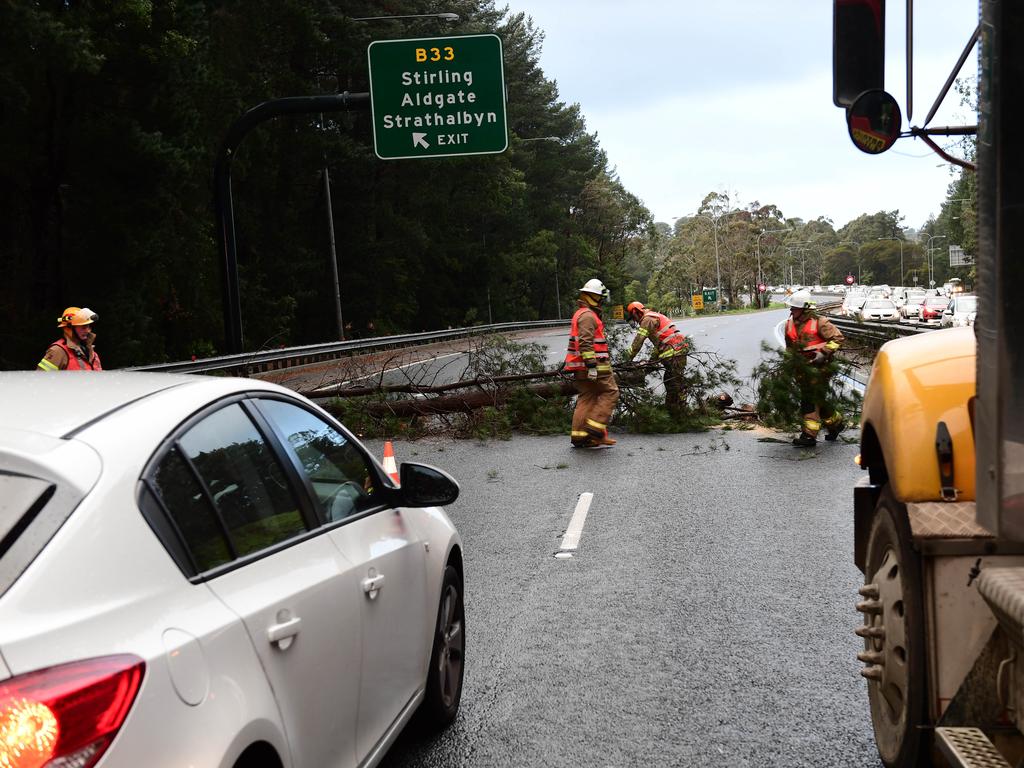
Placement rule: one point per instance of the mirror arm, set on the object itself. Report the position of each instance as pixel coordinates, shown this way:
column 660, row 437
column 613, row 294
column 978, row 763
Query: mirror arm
column 941, row 152
column 947, row 130
column 953, row 74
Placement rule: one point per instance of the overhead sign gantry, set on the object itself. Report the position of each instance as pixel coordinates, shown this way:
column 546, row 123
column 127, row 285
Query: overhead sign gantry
column 437, row 97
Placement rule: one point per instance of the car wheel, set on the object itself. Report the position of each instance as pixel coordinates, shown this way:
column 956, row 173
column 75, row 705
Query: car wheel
column 444, row 676
column 894, row 637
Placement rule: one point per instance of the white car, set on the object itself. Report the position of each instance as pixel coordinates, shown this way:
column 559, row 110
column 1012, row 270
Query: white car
column 878, row 309
column 962, row 310
column 911, row 306
column 852, row 304
column 201, row 571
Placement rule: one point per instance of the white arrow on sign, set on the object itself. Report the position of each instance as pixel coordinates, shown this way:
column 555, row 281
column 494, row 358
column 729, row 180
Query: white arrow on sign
column 418, row 141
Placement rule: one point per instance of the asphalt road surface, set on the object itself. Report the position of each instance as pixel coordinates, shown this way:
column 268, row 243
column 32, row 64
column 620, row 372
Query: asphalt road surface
column 706, row 618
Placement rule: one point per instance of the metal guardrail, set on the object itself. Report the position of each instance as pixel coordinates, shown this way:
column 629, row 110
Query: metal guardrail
column 268, row 360
column 877, row 334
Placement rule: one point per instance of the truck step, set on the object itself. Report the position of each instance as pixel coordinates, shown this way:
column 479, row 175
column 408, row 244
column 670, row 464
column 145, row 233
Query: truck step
column 968, row 748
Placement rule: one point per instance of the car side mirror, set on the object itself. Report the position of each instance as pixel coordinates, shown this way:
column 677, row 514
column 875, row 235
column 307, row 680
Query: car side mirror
column 426, row 486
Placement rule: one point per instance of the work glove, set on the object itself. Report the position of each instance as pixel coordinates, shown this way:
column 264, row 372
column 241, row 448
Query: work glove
column 592, row 373
column 820, row 358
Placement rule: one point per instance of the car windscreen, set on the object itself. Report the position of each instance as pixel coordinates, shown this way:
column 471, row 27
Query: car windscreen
column 888, row 306
column 915, row 298
column 933, row 302
column 967, row 304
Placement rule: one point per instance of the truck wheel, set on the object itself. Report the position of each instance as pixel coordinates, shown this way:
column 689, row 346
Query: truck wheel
column 444, row 677
column 894, row 637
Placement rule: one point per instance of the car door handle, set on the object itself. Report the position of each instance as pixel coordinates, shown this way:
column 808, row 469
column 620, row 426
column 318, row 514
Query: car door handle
column 282, row 634
column 372, row 585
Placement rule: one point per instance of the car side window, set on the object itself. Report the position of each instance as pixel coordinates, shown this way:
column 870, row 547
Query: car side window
column 243, row 479
column 337, row 469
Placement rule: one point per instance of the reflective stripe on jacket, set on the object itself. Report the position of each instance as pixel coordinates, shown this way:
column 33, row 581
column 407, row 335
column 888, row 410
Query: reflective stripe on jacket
column 76, row 358
column 586, row 352
column 668, row 340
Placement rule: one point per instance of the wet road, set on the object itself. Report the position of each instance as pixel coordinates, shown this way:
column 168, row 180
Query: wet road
column 706, row 619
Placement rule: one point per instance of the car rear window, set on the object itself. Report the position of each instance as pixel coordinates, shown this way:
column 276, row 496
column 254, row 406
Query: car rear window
column 24, row 529
column 21, row 499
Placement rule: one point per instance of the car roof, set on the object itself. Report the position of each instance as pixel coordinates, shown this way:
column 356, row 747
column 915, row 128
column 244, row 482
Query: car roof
column 59, row 404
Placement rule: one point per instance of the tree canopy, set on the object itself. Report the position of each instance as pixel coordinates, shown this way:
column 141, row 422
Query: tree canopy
column 111, row 116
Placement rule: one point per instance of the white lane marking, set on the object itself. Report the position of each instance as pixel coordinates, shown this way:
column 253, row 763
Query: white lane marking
column 387, row 370
column 571, row 539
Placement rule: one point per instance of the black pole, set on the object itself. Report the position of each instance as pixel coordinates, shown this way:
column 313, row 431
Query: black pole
column 224, row 205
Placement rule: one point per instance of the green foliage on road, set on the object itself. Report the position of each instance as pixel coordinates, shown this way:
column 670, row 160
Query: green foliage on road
column 777, row 380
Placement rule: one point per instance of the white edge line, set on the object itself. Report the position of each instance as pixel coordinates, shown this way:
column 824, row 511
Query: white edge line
column 571, row 539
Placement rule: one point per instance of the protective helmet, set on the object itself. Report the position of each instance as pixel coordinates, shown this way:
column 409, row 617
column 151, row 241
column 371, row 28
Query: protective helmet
column 594, row 286
column 635, row 309
column 65, row 317
column 800, row 299
column 84, row 316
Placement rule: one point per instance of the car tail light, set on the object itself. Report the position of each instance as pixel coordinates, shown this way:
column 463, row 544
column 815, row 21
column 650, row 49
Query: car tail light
column 66, row 716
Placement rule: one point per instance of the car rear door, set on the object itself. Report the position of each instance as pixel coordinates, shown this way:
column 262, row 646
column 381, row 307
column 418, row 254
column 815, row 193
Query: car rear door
column 255, row 541
column 386, row 552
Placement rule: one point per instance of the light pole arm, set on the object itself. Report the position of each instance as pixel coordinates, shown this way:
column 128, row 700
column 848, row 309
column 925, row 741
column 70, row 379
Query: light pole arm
column 224, row 205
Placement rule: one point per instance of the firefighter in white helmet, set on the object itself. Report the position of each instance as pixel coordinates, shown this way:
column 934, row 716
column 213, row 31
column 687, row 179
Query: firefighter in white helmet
column 816, row 339
column 590, row 364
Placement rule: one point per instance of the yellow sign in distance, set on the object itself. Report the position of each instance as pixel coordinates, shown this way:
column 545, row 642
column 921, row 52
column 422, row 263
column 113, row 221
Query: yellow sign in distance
column 697, row 300
column 618, row 313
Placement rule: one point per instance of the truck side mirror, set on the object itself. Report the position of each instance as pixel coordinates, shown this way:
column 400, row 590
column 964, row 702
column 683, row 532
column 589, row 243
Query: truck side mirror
column 858, row 49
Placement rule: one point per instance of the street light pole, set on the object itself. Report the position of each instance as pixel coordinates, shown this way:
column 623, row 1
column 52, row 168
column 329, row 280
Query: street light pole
column 718, row 267
column 931, row 263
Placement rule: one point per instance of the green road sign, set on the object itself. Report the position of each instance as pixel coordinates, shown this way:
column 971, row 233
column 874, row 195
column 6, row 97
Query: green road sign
column 437, row 97
column 710, row 295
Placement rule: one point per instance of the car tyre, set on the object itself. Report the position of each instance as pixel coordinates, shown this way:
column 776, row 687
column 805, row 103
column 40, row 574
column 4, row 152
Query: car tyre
column 447, row 657
column 893, row 577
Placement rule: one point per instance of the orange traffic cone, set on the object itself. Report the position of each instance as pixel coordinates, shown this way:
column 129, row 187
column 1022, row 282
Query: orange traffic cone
column 389, row 462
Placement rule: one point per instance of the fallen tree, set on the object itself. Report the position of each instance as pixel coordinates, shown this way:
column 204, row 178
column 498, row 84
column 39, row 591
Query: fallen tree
column 486, row 391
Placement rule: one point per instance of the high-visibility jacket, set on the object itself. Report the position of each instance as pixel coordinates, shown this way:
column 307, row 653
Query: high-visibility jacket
column 662, row 332
column 813, row 335
column 77, row 360
column 588, row 347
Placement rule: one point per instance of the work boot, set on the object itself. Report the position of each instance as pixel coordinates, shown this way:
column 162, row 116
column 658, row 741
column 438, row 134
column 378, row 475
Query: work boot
column 805, row 441
column 832, row 430
column 605, row 440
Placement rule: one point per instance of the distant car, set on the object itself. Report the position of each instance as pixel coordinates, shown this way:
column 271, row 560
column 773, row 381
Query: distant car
column 961, row 311
column 852, row 304
column 206, row 571
column 878, row 309
column 911, row 306
column 932, row 309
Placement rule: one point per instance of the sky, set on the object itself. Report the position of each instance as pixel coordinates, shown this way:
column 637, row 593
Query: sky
column 690, row 97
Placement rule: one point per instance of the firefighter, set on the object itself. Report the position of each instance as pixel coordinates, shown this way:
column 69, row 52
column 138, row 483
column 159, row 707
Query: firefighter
column 816, row 339
column 590, row 364
column 670, row 349
column 76, row 351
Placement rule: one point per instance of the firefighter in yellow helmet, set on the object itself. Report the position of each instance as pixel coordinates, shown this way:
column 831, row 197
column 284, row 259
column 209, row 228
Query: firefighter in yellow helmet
column 816, row 339
column 75, row 351
column 590, row 364
column 670, row 349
